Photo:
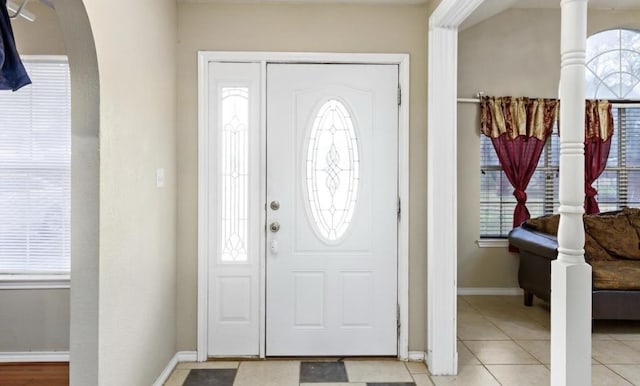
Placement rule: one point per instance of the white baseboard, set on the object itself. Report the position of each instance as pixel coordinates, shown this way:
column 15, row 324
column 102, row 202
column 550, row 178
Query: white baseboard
column 34, row 356
column 495, row 291
column 417, row 356
column 181, row 356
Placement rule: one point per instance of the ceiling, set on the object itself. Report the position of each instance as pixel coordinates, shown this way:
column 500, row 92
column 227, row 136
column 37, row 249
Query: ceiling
column 596, row 4
column 488, row 8
column 493, row 7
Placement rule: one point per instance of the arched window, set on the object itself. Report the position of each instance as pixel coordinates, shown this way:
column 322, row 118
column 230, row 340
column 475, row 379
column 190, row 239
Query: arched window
column 613, row 65
column 613, row 72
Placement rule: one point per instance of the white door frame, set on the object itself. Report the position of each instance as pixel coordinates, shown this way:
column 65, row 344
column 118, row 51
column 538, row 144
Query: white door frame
column 442, row 193
column 204, row 228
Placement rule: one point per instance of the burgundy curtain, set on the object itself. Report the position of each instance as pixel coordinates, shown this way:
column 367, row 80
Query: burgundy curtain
column 598, row 130
column 518, row 128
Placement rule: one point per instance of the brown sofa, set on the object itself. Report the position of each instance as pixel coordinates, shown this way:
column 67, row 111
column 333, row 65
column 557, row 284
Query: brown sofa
column 612, row 247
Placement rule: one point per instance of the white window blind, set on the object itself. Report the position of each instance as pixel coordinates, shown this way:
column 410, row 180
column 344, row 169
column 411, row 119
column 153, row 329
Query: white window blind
column 35, row 172
column 496, row 193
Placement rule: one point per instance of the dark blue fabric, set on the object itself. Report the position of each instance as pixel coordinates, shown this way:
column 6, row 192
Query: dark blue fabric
column 13, row 76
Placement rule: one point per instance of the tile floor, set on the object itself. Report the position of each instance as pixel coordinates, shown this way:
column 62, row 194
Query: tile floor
column 500, row 342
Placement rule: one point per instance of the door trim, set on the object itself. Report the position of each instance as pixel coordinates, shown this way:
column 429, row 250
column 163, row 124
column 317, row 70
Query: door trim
column 204, row 228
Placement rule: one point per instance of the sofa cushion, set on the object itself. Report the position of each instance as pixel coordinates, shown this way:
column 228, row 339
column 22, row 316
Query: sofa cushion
column 545, row 224
column 616, row 275
column 615, row 234
column 549, row 225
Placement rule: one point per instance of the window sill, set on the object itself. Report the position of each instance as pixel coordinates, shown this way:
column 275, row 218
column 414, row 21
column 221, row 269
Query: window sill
column 493, row 243
column 9, row 282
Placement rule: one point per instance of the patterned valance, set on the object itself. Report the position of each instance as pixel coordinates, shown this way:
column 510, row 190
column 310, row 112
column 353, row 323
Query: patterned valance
column 517, row 116
column 598, row 122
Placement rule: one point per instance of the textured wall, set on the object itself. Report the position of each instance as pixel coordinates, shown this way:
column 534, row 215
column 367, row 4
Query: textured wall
column 136, row 52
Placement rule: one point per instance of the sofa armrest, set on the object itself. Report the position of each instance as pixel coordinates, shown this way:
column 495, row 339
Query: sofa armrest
column 540, row 244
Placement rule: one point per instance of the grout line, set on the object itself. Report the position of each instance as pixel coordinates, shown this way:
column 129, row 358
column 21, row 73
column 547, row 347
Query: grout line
column 617, row 373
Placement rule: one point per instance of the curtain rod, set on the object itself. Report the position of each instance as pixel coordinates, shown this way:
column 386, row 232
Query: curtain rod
column 614, row 103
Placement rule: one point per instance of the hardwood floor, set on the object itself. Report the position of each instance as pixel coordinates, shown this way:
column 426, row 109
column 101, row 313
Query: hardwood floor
column 34, row 374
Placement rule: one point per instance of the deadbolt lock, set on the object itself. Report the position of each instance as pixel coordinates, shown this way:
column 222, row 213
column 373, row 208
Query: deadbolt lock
column 275, row 205
column 275, row 226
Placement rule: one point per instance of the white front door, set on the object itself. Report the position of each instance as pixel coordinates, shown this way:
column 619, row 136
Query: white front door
column 332, row 194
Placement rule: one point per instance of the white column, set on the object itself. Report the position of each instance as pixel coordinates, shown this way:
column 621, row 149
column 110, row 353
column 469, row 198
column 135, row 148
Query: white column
column 442, row 190
column 570, row 274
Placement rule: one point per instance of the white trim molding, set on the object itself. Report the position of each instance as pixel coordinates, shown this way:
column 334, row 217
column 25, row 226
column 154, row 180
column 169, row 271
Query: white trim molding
column 180, row 356
column 442, row 356
column 492, row 291
column 34, row 356
column 417, row 356
column 205, row 186
column 492, row 243
column 12, row 282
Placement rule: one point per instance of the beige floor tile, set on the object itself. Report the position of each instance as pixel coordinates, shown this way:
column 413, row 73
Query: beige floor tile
column 416, row 367
column 479, row 329
column 500, row 353
column 333, row 384
column 177, row 378
column 629, row 372
column 467, row 376
column 466, row 357
column 208, row 365
column 602, row 376
column 540, row 349
column 523, row 329
column 521, row 375
column 422, row 380
column 625, row 336
column 377, row 371
column 268, row 373
column 634, row 344
column 600, row 336
column 613, row 352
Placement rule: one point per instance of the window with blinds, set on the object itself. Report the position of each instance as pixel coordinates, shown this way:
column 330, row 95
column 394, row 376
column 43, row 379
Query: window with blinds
column 496, row 193
column 618, row 186
column 35, row 171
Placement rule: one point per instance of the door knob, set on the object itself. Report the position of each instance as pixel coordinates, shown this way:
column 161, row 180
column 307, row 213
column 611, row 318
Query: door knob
column 274, row 227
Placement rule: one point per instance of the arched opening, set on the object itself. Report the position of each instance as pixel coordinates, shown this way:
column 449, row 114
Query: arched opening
column 85, row 173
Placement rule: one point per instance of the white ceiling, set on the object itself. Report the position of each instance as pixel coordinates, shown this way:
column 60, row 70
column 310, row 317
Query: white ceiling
column 594, row 4
column 504, row 4
column 493, row 7
column 398, row 2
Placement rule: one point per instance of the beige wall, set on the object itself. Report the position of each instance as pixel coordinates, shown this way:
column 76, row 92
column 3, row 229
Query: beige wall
column 136, row 52
column 311, row 28
column 516, row 52
column 36, row 320
column 41, row 37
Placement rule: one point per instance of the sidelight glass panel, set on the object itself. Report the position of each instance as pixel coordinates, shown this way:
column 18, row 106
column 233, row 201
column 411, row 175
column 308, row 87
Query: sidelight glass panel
column 234, row 162
column 332, row 170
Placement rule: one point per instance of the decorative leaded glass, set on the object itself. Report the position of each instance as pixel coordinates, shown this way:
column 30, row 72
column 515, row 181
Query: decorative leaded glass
column 234, row 169
column 332, row 170
column 613, row 65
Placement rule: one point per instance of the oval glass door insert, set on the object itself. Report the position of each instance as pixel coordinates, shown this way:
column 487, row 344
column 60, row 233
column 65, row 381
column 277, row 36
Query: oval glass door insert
column 332, row 170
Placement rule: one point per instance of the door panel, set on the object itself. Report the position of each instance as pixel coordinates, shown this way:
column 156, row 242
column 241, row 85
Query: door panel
column 332, row 168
